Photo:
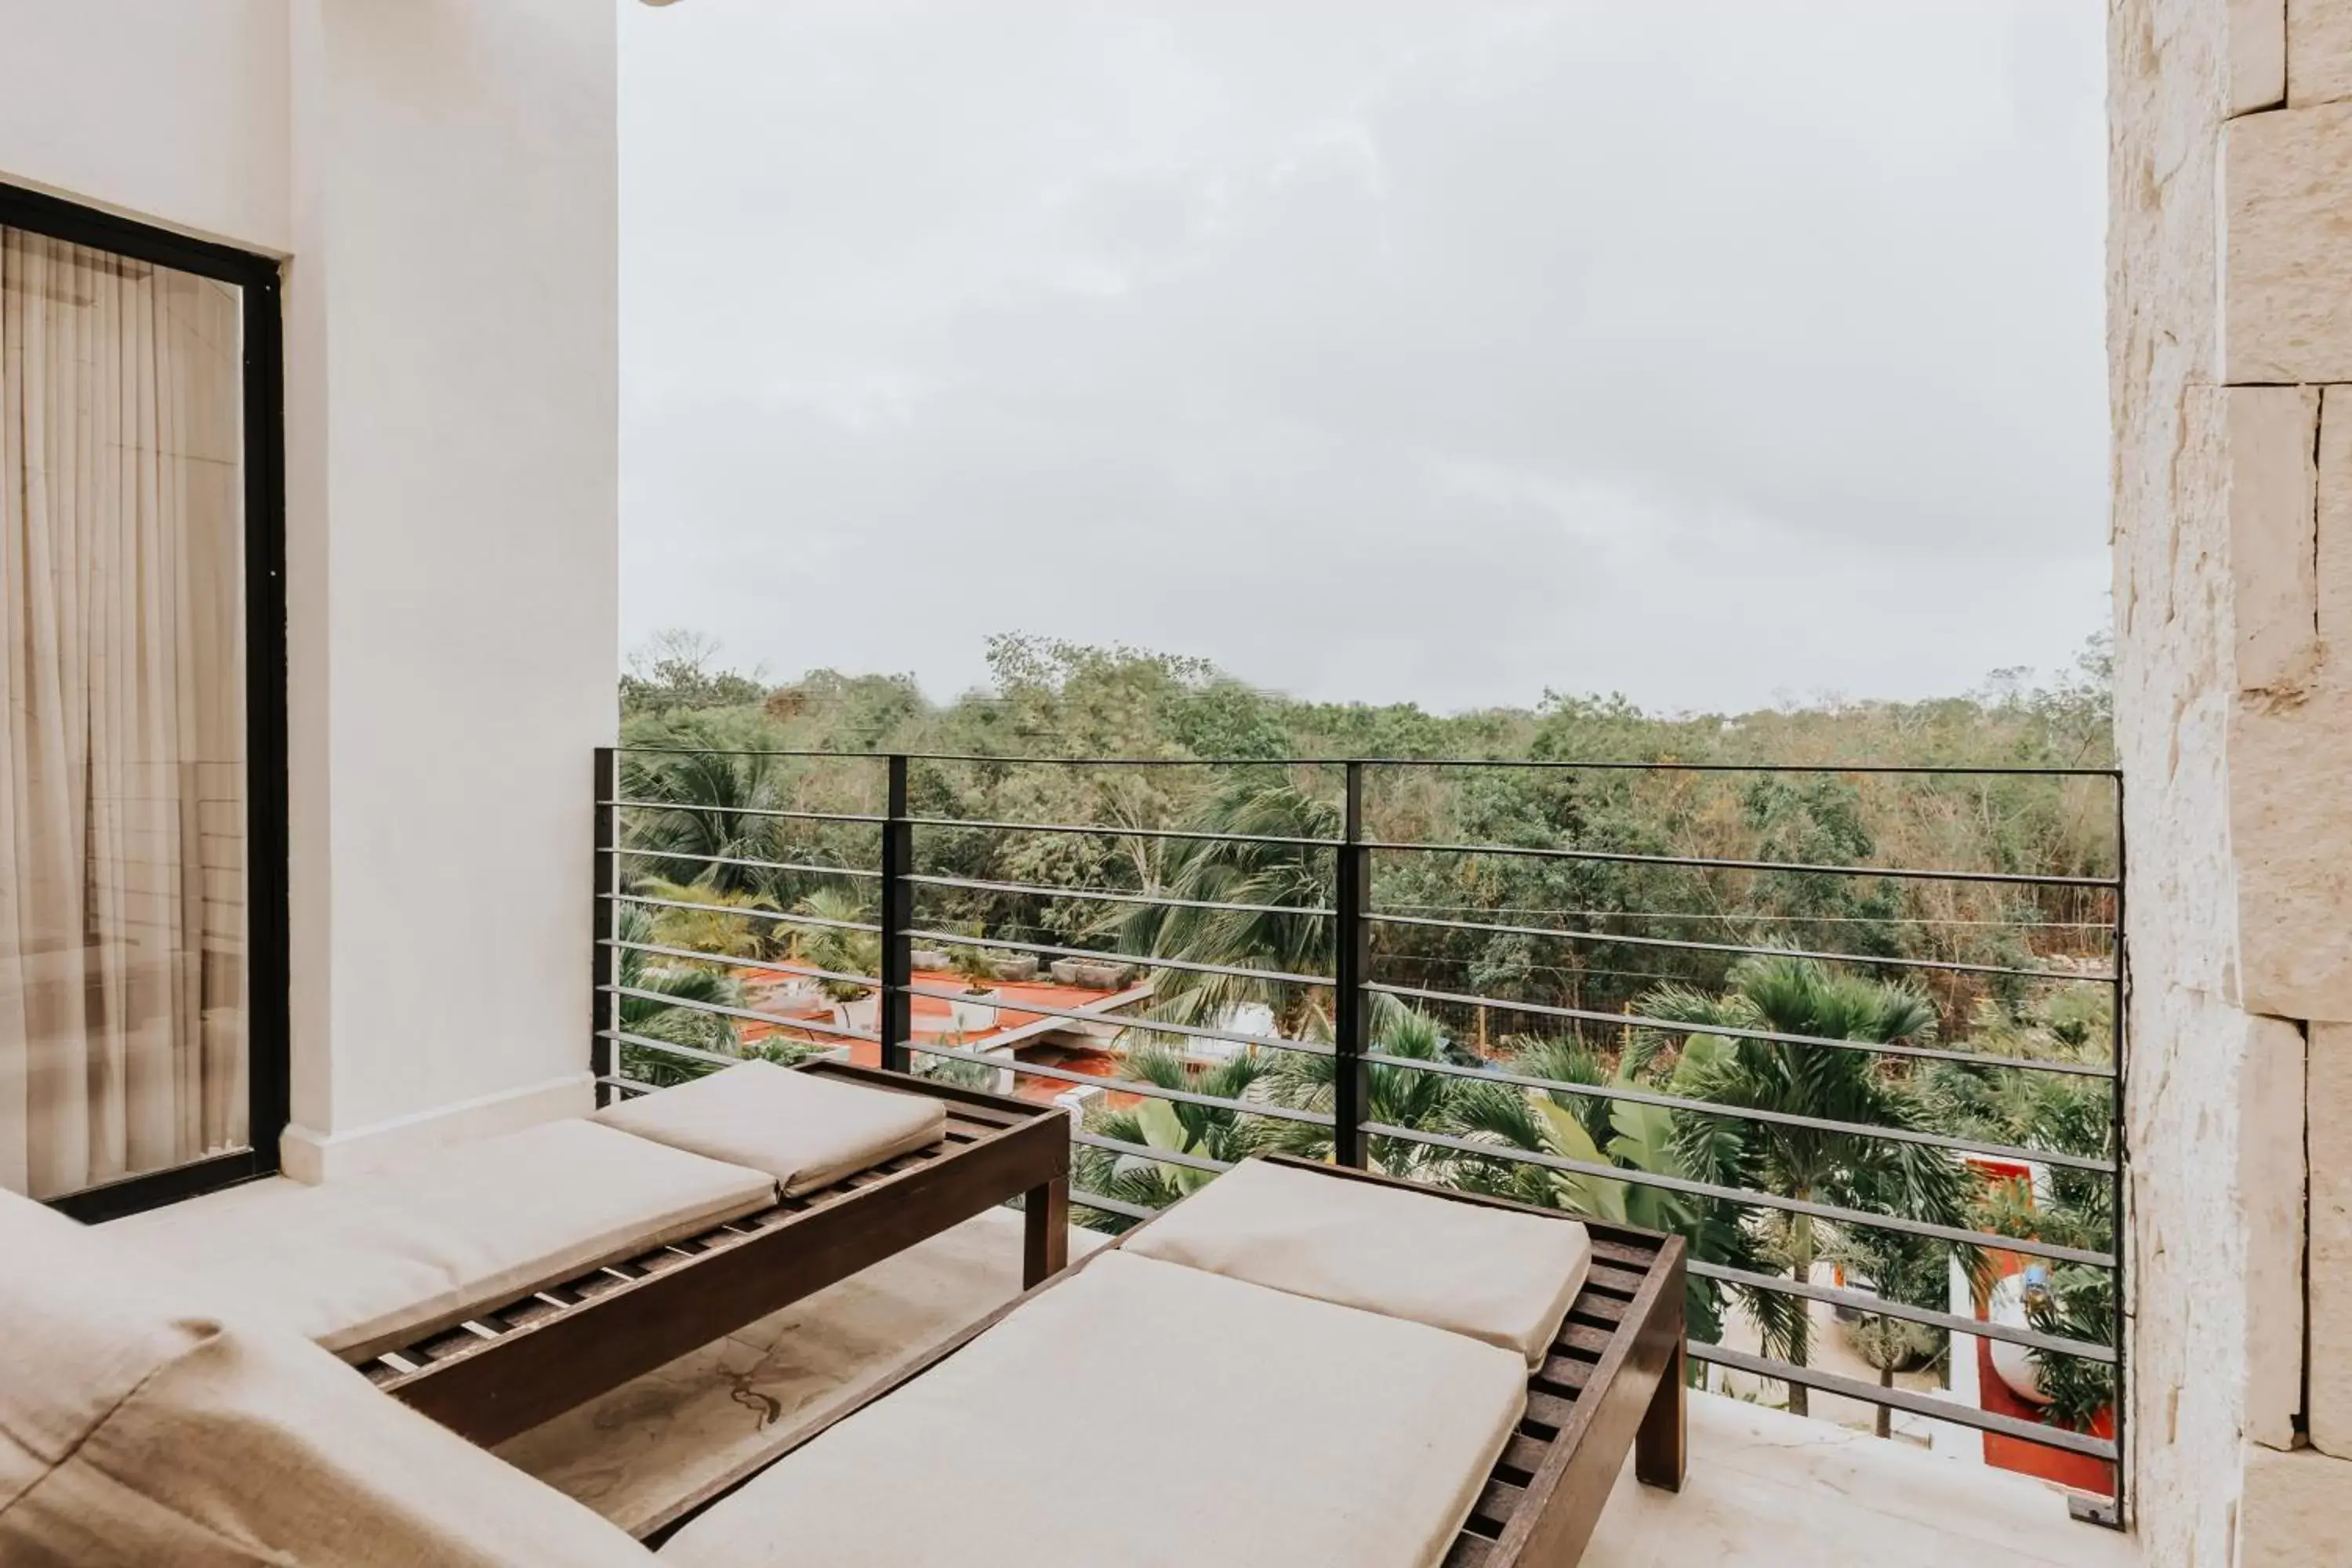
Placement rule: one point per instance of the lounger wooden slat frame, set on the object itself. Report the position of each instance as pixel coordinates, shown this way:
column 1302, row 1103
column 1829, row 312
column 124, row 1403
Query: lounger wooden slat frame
column 506, row 1369
column 1613, row 1380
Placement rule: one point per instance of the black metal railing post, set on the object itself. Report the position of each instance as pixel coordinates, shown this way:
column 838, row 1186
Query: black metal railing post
column 603, row 1015
column 2115, row 1512
column 1351, row 1004
column 895, row 1017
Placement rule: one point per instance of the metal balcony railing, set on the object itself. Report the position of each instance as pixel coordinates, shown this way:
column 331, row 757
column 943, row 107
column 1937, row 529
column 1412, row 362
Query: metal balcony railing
column 1383, row 942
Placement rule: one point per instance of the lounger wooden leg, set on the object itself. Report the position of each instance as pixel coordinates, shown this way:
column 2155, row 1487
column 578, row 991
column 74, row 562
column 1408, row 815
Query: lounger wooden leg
column 1660, row 1448
column 1045, row 1231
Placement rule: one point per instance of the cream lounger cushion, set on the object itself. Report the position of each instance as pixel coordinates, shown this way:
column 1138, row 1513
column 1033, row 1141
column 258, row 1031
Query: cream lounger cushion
column 1260, row 1430
column 806, row 1130
column 138, row 1429
column 1507, row 1278
column 367, row 1263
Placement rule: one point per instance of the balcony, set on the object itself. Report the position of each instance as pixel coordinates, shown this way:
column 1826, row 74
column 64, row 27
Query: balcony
column 1263, row 957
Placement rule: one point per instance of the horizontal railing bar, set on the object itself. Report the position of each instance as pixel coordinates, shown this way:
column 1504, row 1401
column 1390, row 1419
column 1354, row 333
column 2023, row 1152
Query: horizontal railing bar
column 747, row 913
column 1104, row 895
column 1879, row 1307
column 1145, row 1152
column 719, row 1009
column 1905, row 1399
column 2016, row 879
column 1082, row 1199
column 1752, row 915
column 1179, row 833
column 1735, row 1032
column 1955, row 769
column 1120, row 762
column 741, row 810
column 753, row 865
column 696, row 1053
column 1629, row 940
column 629, row 1085
column 1958, row 771
column 1127, row 1086
column 772, row 965
column 1743, row 1114
column 1622, row 858
column 748, row 751
column 1149, row 1025
column 1238, row 970
column 1747, row 1198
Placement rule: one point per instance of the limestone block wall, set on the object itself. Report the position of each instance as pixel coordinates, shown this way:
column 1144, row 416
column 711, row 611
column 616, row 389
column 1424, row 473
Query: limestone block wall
column 2229, row 336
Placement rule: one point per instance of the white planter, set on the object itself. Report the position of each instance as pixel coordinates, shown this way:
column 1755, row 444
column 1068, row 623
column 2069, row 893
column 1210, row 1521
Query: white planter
column 972, row 1013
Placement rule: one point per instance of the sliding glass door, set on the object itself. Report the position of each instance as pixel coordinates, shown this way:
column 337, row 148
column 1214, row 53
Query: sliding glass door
column 141, row 781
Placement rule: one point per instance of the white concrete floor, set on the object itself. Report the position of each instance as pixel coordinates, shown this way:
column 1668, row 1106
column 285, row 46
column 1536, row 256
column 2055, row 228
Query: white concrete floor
column 1770, row 1488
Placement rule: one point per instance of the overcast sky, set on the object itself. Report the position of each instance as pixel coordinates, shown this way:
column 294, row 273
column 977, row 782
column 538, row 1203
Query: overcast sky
column 1718, row 354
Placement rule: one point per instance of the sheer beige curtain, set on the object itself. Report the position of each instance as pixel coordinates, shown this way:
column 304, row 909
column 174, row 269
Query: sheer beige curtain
column 123, row 973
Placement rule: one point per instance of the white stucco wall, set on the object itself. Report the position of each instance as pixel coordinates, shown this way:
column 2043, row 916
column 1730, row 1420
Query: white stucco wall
column 453, row 455
column 441, row 175
column 170, row 110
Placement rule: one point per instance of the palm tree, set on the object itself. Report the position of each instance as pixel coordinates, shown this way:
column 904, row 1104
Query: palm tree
column 709, row 928
column 1789, row 995
column 718, row 795
column 1593, row 1130
column 1277, row 879
column 670, row 1014
column 1210, row 1131
column 1395, row 1096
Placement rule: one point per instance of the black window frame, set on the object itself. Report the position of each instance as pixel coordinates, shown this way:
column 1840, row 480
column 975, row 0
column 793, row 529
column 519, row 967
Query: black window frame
column 267, row 977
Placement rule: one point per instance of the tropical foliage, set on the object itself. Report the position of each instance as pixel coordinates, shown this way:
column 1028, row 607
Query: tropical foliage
column 1704, row 1029
column 1814, row 1152
column 663, row 1000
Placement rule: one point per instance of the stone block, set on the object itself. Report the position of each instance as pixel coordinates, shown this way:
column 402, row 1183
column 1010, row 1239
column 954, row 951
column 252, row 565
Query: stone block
column 931, row 958
column 2191, row 1318
column 2257, row 54
column 1017, row 968
column 2274, row 539
column 2290, row 784
column 2175, row 692
column 2287, row 266
column 2332, row 541
column 2318, row 45
column 2271, row 1207
column 2289, row 474
column 2329, row 1129
column 2293, row 1508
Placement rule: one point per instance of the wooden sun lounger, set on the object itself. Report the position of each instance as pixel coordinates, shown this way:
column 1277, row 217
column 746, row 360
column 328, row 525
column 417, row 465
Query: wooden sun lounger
column 1613, row 1380
column 509, row 1369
